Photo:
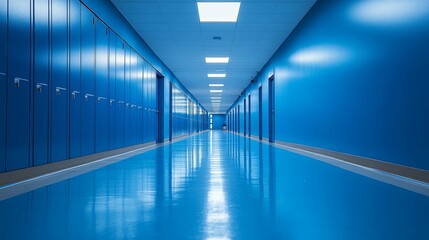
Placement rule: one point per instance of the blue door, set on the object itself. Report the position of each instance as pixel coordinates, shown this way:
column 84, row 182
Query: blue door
column 260, row 111
column 19, row 85
column 271, row 109
column 59, row 81
column 120, row 94
column 41, row 77
column 102, row 86
column 88, row 82
column 3, row 85
column 112, row 90
column 127, row 94
column 74, row 71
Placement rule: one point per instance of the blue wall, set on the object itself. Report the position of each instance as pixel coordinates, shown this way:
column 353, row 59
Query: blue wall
column 353, row 78
column 218, row 121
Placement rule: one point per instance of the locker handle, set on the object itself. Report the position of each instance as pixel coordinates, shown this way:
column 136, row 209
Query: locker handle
column 74, row 94
column 58, row 90
column 39, row 86
column 87, row 96
column 139, row 107
column 18, row 80
column 127, row 104
column 3, row 74
column 101, row 98
column 120, row 102
column 112, row 101
column 133, row 105
column 145, row 108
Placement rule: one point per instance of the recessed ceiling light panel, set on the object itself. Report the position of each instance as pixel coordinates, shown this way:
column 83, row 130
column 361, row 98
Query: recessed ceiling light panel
column 216, row 75
column 218, row 11
column 217, row 59
column 216, row 85
column 216, row 91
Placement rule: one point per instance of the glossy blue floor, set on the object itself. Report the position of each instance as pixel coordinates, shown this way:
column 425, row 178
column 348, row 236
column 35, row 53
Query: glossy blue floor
column 217, row 185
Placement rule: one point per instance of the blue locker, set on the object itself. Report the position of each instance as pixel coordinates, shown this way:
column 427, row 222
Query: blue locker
column 41, row 77
column 59, row 81
column 3, row 85
column 145, row 106
column 74, row 71
column 155, row 105
column 133, row 93
column 127, row 95
column 101, row 86
column 120, row 94
column 19, row 85
column 140, row 100
column 87, row 82
column 112, row 90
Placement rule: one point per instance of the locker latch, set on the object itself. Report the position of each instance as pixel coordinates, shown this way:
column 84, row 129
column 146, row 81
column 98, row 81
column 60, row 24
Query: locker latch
column 39, row 87
column 17, row 81
column 87, row 96
column 101, row 98
column 112, row 101
column 58, row 90
column 74, row 93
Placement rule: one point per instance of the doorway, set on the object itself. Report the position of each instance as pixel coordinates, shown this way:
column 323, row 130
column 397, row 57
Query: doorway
column 271, row 109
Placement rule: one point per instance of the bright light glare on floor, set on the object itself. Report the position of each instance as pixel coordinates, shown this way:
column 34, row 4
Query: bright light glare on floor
column 218, row 11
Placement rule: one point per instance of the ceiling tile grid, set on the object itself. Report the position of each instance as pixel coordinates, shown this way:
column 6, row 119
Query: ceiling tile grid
column 173, row 30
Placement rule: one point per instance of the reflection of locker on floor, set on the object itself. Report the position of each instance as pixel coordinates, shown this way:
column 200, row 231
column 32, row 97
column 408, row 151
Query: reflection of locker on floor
column 70, row 86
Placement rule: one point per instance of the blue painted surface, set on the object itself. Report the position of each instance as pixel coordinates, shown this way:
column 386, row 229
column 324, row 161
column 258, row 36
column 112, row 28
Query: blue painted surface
column 75, row 92
column 352, row 77
column 18, row 98
column 41, row 83
column 88, row 82
column 70, row 65
column 101, row 87
column 3, row 83
column 218, row 121
column 217, row 186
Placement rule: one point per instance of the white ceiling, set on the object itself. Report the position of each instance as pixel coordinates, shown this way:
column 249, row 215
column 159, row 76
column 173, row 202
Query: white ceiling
column 173, row 31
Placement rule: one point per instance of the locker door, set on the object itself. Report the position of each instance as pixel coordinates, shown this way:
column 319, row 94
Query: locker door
column 140, row 101
column 41, row 77
column 120, row 91
column 112, row 90
column 145, row 106
column 3, row 85
column 75, row 88
column 19, row 85
column 127, row 95
column 59, row 81
column 87, row 82
column 149, row 104
column 157, row 92
column 133, row 90
column 102, row 85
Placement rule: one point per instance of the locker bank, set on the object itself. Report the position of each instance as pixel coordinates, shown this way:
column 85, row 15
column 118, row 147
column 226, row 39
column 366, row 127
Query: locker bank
column 132, row 119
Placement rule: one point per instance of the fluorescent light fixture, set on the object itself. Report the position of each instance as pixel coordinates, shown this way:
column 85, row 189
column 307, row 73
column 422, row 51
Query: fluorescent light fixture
column 216, row 98
column 216, row 91
column 217, row 59
column 216, row 85
column 218, row 11
column 216, row 75
column 216, row 101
